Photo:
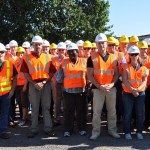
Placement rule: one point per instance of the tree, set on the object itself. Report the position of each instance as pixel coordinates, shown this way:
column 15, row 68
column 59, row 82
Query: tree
column 54, row 20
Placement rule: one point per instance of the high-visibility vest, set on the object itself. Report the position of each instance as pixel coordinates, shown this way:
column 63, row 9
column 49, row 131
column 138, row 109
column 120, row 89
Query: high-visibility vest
column 134, row 77
column 10, row 58
column 74, row 76
column 104, row 71
column 6, row 75
column 147, row 65
column 21, row 80
column 38, row 66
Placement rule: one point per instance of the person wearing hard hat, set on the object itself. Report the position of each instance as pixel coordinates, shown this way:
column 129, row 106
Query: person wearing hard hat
column 57, row 88
column 12, row 57
column 87, row 46
column 53, row 49
column 117, row 45
column 134, row 85
column 147, row 40
column 67, row 42
column 26, row 46
column 102, row 71
column 7, row 47
column 21, row 88
column 7, row 88
column 38, row 70
column 72, row 74
column 45, row 47
column 134, row 40
column 94, row 48
column 80, row 48
column 143, row 46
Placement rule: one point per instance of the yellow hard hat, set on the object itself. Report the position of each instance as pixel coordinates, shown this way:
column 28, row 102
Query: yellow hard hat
column 142, row 44
column 20, row 50
column 94, row 45
column 134, row 39
column 117, row 42
column 53, row 46
column 124, row 39
column 111, row 40
column 87, row 44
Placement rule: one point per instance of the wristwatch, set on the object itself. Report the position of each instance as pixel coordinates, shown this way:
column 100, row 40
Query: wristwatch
column 44, row 82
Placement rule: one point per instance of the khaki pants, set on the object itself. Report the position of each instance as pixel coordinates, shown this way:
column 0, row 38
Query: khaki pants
column 43, row 96
column 98, row 102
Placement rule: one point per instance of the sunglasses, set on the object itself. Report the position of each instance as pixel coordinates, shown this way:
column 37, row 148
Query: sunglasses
column 87, row 48
column 2, row 52
column 111, row 44
column 134, row 54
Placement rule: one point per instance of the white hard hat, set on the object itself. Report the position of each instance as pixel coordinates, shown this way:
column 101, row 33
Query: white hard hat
column 67, row 42
column 147, row 40
column 101, row 37
column 13, row 43
column 133, row 49
column 7, row 46
column 72, row 46
column 45, row 43
column 2, row 47
column 37, row 39
column 26, row 44
column 80, row 43
column 61, row 45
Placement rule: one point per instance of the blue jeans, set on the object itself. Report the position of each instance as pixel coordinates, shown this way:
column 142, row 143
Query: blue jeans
column 4, row 112
column 128, row 101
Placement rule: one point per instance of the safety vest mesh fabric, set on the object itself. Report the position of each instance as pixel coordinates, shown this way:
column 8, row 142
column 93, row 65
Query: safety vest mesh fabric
column 74, row 76
column 56, row 62
column 104, row 71
column 21, row 80
column 6, row 75
column 38, row 67
column 134, row 77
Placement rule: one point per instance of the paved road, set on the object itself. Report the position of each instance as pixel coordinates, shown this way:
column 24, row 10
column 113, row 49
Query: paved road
column 19, row 140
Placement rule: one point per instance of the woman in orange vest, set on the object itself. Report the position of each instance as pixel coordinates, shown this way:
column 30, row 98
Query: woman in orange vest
column 134, row 85
column 21, row 89
column 73, row 74
column 7, row 88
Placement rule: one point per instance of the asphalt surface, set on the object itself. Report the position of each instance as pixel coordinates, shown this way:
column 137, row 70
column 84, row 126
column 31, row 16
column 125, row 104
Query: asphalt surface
column 18, row 140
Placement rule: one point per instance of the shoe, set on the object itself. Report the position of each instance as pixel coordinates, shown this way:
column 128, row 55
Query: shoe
column 66, row 134
column 32, row 134
column 94, row 137
column 4, row 135
column 50, row 133
column 139, row 136
column 115, row 135
column 82, row 133
column 128, row 136
column 11, row 124
column 22, row 122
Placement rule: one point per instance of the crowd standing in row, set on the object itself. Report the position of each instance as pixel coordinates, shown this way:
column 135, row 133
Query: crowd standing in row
column 116, row 73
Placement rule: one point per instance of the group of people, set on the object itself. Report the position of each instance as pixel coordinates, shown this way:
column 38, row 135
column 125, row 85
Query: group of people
column 116, row 72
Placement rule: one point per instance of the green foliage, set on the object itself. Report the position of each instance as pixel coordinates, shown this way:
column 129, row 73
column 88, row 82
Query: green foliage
column 54, row 20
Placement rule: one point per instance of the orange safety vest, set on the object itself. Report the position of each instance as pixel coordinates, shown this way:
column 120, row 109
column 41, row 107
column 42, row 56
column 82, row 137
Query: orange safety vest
column 38, row 67
column 104, row 71
column 56, row 62
column 10, row 58
column 134, row 77
column 74, row 76
column 6, row 75
column 21, row 80
column 147, row 65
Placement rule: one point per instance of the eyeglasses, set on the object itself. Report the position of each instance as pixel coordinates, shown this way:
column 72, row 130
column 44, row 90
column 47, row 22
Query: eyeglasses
column 111, row 44
column 2, row 52
column 134, row 54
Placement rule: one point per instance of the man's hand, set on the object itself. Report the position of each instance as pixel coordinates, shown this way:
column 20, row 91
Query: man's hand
column 38, row 85
column 11, row 93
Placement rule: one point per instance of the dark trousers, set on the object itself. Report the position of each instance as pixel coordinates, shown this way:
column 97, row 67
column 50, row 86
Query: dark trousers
column 147, row 108
column 75, row 103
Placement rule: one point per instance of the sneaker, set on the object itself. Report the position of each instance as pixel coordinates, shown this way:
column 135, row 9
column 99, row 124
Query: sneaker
column 139, row 136
column 115, row 135
column 94, row 137
column 4, row 135
column 22, row 122
column 32, row 134
column 128, row 136
column 66, row 134
column 82, row 133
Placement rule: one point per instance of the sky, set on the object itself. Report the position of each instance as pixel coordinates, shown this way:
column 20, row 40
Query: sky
column 129, row 17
